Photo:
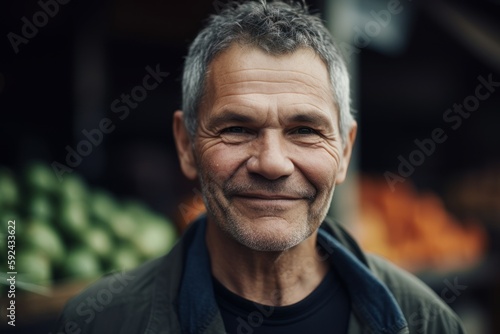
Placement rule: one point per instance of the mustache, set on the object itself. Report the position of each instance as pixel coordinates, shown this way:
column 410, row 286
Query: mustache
column 259, row 184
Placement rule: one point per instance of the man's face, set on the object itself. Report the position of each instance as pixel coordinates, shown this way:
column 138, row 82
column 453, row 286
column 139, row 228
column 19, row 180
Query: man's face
column 267, row 151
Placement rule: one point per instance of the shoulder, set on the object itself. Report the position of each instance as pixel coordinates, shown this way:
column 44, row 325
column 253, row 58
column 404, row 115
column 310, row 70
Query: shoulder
column 424, row 311
column 132, row 301
column 120, row 299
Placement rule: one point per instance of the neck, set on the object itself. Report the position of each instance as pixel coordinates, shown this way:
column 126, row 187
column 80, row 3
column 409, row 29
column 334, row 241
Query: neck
column 269, row 278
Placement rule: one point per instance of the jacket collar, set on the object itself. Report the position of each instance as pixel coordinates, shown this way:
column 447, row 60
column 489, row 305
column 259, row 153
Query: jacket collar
column 371, row 300
column 373, row 304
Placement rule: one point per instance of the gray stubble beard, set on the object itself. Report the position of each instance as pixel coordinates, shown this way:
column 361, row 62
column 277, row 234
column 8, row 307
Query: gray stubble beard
column 243, row 234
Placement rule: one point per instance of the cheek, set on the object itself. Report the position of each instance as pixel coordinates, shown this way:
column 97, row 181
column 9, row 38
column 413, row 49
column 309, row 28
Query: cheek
column 319, row 166
column 221, row 161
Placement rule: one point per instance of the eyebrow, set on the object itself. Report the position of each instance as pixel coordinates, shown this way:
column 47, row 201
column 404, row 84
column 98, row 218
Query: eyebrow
column 229, row 117
column 313, row 118
column 303, row 117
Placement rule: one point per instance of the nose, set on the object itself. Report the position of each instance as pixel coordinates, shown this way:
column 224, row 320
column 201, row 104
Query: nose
column 270, row 158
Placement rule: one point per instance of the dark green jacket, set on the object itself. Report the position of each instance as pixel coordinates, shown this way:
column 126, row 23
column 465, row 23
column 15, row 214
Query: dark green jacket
column 173, row 294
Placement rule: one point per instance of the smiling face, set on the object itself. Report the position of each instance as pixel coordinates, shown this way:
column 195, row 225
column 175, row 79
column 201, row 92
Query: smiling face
column 267, row 151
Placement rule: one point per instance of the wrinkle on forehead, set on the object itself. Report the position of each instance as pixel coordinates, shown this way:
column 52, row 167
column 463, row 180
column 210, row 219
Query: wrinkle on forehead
column 235, row 75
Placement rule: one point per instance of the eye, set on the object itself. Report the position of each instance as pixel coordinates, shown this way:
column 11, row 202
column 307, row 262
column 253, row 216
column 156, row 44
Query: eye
column 303, row 130
column 234, row 129
column 236, row 134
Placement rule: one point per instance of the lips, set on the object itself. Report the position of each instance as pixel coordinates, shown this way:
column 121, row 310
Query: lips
column 269, row 197
column 268, row 203
column 258, row 188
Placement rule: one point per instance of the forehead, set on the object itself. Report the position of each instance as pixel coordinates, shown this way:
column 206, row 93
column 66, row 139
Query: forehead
column 245, row 70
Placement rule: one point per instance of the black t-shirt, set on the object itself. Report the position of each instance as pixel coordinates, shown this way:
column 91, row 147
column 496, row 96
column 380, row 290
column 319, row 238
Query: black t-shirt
column 325, row 310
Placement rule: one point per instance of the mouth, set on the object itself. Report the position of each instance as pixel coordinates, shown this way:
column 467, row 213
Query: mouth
column 267, row 202
column 268, row 197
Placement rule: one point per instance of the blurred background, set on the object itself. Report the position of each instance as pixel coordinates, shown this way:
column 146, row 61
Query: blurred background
column 89, row 172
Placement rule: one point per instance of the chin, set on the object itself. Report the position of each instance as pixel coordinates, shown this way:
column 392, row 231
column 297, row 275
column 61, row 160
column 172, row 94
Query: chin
column 270, row 234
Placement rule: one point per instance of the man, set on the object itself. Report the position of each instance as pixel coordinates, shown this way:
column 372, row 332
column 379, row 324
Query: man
column 266, row 129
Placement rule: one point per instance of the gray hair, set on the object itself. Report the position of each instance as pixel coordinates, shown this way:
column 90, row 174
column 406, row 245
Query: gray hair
column 275, row 27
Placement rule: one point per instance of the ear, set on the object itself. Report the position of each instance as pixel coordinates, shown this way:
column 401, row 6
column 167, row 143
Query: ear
column 346, row 155
column 184, row 146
